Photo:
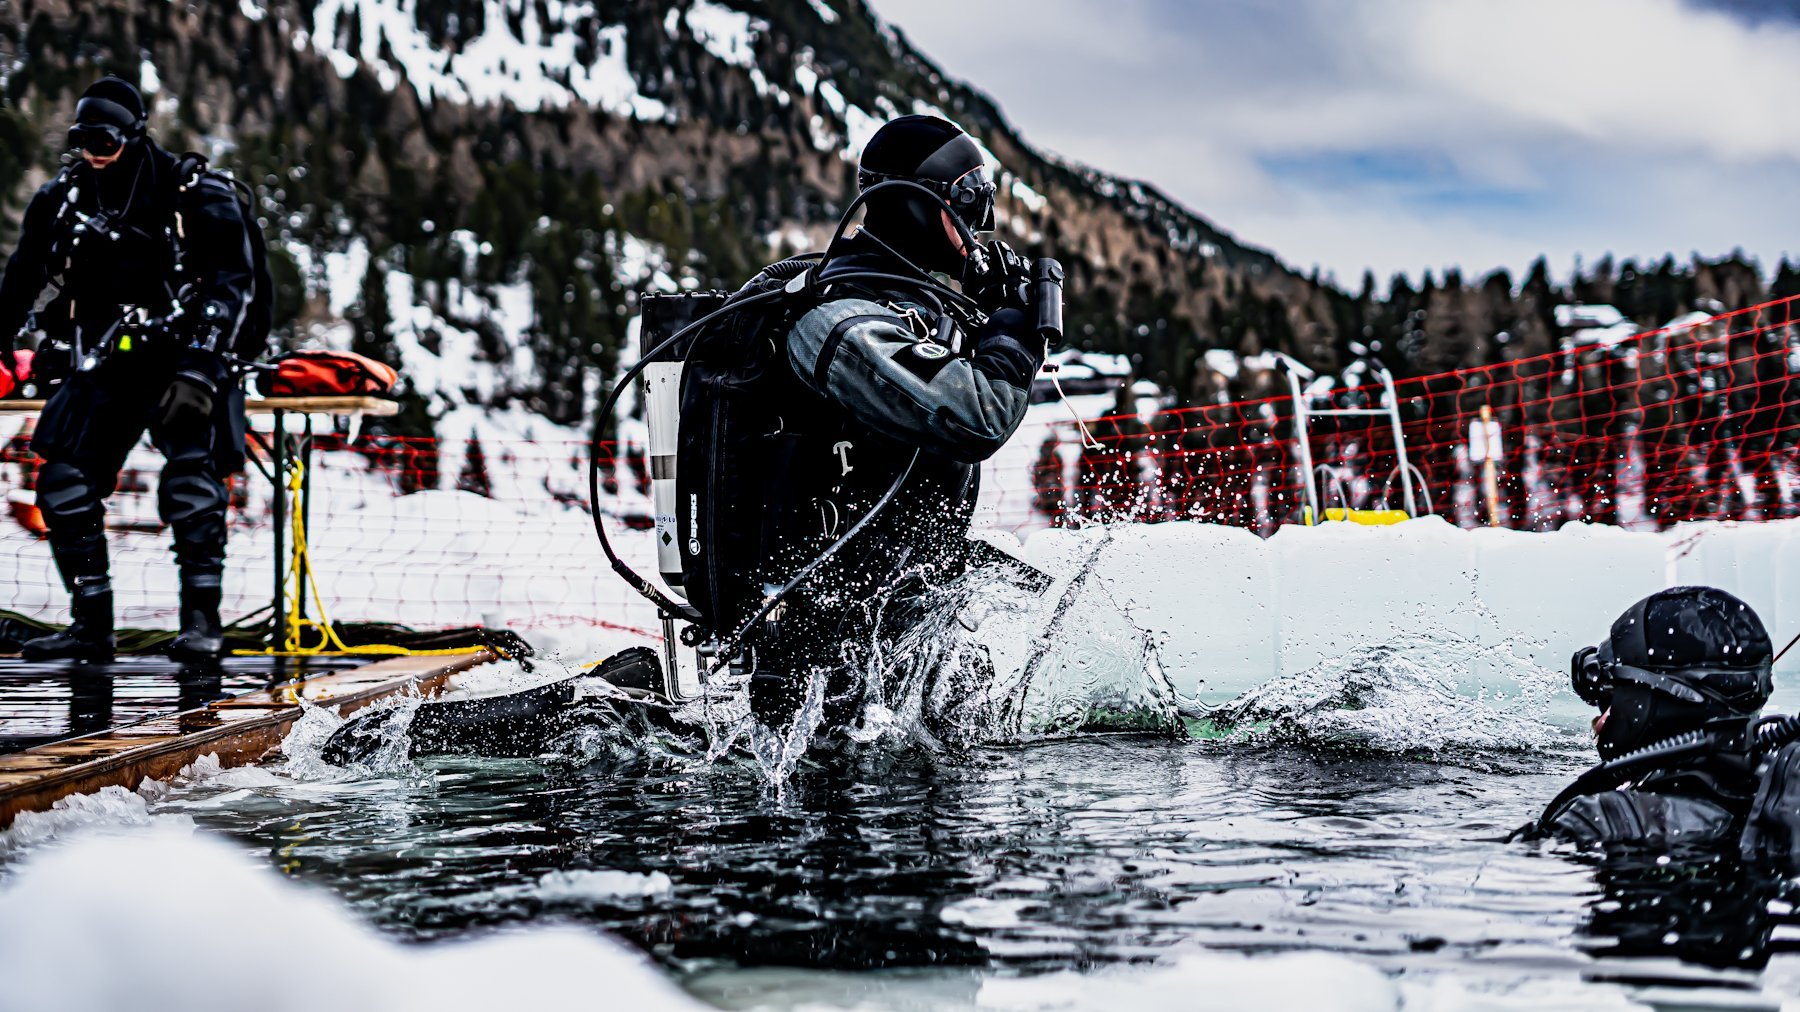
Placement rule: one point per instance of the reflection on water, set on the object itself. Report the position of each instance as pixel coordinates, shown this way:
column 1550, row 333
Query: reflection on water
column 1704, row 908
column 1066, row 854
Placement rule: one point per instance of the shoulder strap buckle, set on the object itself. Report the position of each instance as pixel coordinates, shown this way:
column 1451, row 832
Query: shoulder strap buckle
column 188, row 170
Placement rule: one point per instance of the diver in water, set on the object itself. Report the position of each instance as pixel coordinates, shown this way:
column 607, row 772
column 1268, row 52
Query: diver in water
column 1688, row 759
column 885, row 385
column 1694, row 814
column 833, row 415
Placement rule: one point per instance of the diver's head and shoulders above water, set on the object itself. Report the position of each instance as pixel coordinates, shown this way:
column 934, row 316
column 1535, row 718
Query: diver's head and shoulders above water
column 887, row 342
column 1688, row 759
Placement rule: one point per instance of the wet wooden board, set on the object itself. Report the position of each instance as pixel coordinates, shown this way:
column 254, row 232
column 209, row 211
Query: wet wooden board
column 242, row 729
column 43, row 702
column 380, row 407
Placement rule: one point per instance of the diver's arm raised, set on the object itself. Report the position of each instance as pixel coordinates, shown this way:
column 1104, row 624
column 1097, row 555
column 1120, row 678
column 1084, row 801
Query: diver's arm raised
column 864, row 357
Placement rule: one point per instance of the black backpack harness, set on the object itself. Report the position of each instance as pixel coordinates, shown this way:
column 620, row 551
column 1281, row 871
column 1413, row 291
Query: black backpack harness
column 71, row 227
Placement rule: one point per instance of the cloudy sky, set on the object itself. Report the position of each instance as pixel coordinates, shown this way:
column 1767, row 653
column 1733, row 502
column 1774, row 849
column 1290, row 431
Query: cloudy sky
column 1401, row 135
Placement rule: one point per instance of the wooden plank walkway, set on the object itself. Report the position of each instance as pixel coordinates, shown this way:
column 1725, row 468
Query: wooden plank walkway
column 46, row 702
column 241, row 728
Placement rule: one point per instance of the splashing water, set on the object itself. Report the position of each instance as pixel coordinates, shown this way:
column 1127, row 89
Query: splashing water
column 1404, row 695
column 979, row 659
column 983, row 659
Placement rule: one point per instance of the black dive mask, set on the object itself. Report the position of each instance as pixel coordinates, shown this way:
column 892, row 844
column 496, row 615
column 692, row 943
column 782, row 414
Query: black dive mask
column 972, row 194
column 1591, row 680
column 102, row 125
column 1595, row 673
column 103, row 140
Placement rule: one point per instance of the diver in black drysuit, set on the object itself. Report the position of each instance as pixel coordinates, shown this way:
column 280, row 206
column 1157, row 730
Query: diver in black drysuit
column 150, row 265
column 856, row 403
column 1695, row 811
column 880, row 378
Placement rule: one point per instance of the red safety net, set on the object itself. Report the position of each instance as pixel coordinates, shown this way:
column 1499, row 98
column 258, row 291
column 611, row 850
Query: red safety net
column 1695, row 421
column 423, row 532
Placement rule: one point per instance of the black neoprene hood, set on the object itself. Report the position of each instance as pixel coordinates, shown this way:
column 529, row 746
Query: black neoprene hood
column 1686, row 627
column 113, row 102
column 921, row 147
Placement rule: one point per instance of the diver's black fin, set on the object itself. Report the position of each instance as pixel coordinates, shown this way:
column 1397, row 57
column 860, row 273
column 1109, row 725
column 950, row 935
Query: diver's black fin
column 633, row 668
column 516, row 724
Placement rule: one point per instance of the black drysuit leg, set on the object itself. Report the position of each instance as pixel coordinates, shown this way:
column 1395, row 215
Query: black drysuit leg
column 191, row 499
column 87, row 430
column 89, row 426
column 83, row 435
column 202, row 453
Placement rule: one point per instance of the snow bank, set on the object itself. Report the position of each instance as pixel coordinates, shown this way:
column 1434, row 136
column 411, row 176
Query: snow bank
column 176, row 938
column 1311, row 980
column 1317, row 981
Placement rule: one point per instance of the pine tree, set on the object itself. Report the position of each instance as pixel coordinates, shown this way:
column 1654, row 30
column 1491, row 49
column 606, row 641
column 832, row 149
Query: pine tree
column 1787, row 281
column 373, row 318
column 474, row 477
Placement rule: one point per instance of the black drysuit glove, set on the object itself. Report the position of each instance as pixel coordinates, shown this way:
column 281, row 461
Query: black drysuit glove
column 997, row 278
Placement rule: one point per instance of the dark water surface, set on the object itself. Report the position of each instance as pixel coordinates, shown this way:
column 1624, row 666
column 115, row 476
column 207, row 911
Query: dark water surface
column 1064, row 855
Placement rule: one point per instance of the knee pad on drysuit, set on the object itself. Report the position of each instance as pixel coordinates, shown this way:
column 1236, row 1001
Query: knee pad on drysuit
column 69, row 499
column 192, row 502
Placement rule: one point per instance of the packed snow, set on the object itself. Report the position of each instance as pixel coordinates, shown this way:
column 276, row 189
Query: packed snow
column 177, row 939
column 535, row 69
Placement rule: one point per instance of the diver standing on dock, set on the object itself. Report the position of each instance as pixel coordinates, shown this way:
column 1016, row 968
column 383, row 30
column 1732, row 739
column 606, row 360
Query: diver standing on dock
column 157, row 282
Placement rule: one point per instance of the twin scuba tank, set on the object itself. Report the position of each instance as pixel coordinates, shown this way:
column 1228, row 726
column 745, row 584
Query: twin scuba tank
column 711, row 401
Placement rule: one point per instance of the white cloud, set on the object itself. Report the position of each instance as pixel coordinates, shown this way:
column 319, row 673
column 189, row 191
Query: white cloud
column 1650, row 75
column 1635, row 126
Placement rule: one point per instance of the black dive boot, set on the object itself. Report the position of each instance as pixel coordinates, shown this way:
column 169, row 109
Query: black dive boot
column 201, row 639
column 90, row 636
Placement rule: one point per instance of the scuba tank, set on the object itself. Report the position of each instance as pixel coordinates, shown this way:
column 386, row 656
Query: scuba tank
column 664, row 317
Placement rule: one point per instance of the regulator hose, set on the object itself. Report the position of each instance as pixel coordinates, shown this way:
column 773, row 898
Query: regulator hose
column 1767, row 735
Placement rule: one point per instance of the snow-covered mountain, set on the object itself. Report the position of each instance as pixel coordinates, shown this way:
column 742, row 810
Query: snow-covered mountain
column 478, row 190
column 509, row 174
